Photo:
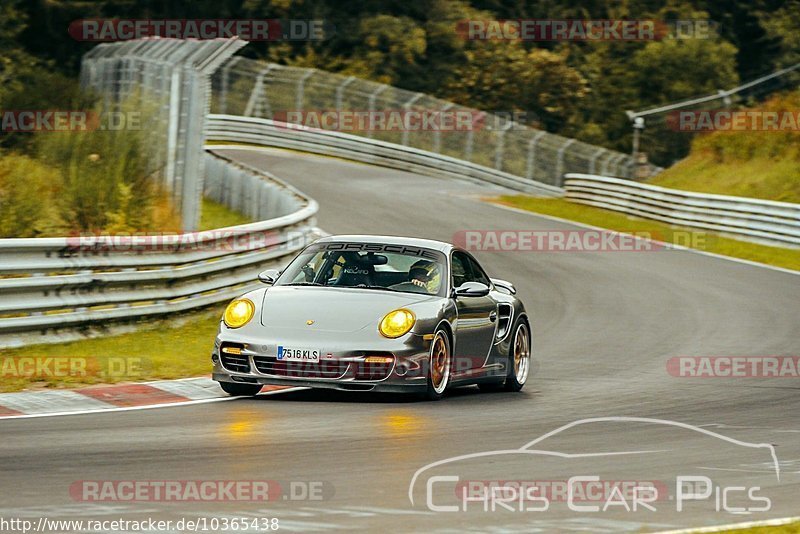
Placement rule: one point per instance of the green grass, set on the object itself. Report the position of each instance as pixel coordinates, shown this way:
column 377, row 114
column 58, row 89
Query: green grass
column 215, row 215
column 791, row 528
column 557, row 207
column 167, row 348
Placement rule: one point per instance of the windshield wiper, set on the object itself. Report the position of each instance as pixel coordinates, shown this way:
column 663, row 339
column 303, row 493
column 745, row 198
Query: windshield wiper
column 375, row 287
column 303, row 284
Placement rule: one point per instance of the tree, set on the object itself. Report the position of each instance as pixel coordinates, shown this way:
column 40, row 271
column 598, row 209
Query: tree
column 503, row 76
column 14, row 60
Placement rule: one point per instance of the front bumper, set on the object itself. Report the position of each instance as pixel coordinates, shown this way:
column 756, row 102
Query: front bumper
column 342, row 365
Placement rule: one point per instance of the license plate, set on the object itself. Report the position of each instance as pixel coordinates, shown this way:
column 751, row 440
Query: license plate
column 292, row 354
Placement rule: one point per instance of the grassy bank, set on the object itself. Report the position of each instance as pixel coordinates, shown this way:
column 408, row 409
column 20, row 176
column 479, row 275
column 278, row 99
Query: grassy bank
column 167, row 348
column 777, row 256
column 757, row 164
column 792, row 528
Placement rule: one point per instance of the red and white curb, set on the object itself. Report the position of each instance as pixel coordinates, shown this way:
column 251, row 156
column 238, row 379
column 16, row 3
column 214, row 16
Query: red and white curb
column 117, row 397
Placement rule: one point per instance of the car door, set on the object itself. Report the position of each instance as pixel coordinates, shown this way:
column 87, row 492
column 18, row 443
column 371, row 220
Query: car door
column 477, row 315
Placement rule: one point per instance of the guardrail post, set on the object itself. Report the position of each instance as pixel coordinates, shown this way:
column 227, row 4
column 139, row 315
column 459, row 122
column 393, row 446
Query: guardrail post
column 559, row 178
column 406, row 109
column 531, row 163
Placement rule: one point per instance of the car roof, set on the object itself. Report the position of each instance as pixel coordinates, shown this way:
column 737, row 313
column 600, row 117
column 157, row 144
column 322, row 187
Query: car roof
column 441, row 246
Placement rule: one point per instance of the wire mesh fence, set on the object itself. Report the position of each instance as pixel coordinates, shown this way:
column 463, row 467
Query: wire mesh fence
column 170, row 77
column 291, row 94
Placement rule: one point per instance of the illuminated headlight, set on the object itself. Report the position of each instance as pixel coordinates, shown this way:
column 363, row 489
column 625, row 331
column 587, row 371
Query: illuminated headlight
column 396, row 323
column 238, row 313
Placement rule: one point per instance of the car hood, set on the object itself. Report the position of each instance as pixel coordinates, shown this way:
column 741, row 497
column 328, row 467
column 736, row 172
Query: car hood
column 332, row 309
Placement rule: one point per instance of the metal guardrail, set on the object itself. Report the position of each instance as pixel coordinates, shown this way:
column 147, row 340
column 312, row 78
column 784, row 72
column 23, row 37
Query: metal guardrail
column 747, row 218
column 266, row 132
column 53, row 285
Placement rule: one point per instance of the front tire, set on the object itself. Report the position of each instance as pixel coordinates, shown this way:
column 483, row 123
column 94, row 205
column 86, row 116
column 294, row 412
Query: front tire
column 519, row 357
column 439, row 364
column 240, row 390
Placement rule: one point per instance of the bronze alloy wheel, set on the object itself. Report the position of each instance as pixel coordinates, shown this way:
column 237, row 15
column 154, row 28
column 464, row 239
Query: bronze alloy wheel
column 439, row 374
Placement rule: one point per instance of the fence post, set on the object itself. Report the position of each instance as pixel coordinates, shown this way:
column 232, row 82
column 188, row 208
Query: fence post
column 372, row 97
column 593, row 161
column 406, row 108
column 471, row 136
column 437, row 133
column 340, row 90
column 559, row 178
column 223, row 97
column 258, row 94
column 531, row 163
column 498, row 150
column 301, row 84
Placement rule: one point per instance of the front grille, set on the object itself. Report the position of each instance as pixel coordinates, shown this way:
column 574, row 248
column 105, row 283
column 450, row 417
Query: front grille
column 238, row 363
column 372, row 371
column 270, row 365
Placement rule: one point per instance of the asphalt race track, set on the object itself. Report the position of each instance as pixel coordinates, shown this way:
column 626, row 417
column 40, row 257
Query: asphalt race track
column 604, row 326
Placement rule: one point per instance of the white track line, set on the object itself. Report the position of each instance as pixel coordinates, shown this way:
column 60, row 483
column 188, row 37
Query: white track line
column 735, row 526
column 145, row 407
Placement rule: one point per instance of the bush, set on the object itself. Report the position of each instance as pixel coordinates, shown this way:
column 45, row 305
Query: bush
column 28, row 193
column 83, row 181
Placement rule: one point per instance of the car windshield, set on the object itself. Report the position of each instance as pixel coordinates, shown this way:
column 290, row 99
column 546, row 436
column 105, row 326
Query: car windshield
column 368, row 266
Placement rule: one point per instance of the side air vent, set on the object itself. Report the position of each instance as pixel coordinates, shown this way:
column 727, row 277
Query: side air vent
column 504, row 316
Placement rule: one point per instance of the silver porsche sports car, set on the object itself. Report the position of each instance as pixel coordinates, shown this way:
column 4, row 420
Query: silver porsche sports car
column 375, row 313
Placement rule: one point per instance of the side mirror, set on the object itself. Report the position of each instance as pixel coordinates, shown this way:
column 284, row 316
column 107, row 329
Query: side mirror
column 269, row 276
column 472, row 289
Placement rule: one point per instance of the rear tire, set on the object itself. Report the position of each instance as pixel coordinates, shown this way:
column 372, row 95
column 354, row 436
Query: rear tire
column 439, row 364
column 240, row 390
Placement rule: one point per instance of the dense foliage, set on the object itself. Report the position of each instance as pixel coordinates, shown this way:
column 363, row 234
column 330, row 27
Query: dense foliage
column 578, row 89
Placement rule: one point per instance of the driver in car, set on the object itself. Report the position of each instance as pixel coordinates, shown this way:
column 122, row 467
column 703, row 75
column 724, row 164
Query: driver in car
column 418, row 278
